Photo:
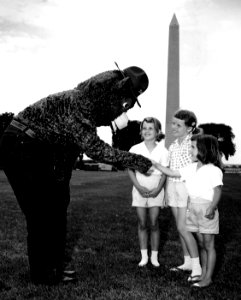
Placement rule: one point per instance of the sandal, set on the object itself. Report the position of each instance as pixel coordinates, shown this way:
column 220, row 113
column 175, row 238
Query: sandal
column 197, row 285
column 194, row 279
column 177, row 269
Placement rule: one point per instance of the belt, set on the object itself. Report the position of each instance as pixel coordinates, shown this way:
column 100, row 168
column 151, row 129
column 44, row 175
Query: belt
column 23, row 128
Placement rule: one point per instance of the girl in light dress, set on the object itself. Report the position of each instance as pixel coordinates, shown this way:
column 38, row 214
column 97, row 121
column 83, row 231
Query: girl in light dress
column 148, row 192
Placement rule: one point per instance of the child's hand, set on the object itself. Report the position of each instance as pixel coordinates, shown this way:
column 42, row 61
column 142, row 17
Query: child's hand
column 210, row 213
column 150, row 171
column 153, row 193
column 165, row 202
column 143, row 191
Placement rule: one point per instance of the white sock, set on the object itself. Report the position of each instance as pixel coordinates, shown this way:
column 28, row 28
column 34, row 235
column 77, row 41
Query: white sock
column 144, row 258
column 154, row 258
column 144, row 254
column 196, row 267
column 187, row 260
column 187, row 263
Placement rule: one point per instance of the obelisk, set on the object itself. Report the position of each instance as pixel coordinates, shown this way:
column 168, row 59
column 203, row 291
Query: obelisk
column 172, row 101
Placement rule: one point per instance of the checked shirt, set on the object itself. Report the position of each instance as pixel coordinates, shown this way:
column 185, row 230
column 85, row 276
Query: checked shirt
column 179, row 155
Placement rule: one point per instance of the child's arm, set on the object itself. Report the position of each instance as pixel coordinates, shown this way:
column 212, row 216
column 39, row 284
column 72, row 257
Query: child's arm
column 141, row 189
column 165, row 170
column 216, row 198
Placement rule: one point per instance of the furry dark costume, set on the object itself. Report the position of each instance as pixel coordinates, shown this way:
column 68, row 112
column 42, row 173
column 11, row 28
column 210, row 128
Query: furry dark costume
column 40, row 147
column 127, row 137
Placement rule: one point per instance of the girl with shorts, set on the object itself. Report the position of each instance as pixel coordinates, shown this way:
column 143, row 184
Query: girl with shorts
column 204, row 180
column 148, row 192
column 184, row 123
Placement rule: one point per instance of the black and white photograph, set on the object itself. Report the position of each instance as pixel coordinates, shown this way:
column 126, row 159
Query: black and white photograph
column 120, row 155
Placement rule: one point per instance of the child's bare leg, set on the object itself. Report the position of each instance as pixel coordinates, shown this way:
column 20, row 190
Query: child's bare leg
column 190, row 242
column 180, row 218
column 155, row 235
column 203, row 255
column 195, row 260
column 155, row 232
column 209, row 246
column 142, row 234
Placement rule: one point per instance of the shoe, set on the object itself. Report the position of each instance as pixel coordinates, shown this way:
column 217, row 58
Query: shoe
column 143, row 263
column 155, row 263
column 181, row 269
column 70, row 273
column 67, row 279
column 193, row 279
column 197, row 285
column 45, row 278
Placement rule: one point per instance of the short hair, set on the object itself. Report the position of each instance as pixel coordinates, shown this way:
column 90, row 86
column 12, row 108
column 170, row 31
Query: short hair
column 188, row 117
column 208, row 149
column 157, row 126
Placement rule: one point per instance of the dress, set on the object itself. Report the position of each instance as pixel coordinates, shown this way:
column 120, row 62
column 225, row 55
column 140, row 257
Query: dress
column 159, row 154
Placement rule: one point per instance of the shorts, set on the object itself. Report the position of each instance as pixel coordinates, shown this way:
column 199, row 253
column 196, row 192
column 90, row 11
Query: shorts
column 176, row 194
column 197, row 222
column 150, row 182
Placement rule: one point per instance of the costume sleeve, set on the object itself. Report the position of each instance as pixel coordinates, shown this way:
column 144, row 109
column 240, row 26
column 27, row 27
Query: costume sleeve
column 100, row 151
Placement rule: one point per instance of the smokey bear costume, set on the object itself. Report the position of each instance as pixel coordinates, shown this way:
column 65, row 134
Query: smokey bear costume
column 39, row 148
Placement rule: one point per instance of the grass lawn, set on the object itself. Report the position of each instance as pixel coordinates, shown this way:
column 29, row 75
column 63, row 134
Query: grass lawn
column 102, row 245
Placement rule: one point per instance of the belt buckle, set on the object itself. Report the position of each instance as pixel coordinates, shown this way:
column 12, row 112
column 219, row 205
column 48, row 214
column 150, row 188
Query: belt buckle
column 18, row 125
column 30, row 133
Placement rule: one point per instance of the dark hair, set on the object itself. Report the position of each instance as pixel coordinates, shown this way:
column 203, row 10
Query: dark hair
column 157, row 126
column 208, row 150
column 188, row 117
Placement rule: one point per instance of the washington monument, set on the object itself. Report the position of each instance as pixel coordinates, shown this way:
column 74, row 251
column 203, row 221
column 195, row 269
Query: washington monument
column 172, row 102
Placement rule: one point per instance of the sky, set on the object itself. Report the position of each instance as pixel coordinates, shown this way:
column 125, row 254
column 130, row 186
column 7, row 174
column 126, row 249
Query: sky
column 48, row 46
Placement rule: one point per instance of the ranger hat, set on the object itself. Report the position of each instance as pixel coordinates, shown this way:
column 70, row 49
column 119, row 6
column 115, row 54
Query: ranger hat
column 139, row 80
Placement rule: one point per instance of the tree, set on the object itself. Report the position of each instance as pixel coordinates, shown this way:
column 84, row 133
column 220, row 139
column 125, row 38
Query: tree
column 225, row 136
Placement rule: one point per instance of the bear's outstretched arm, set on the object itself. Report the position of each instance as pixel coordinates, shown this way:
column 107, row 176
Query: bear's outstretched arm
column 100, row 151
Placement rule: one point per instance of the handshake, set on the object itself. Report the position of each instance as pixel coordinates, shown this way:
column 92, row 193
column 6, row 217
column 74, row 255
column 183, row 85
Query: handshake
column 155, row 165
column 165, row 170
